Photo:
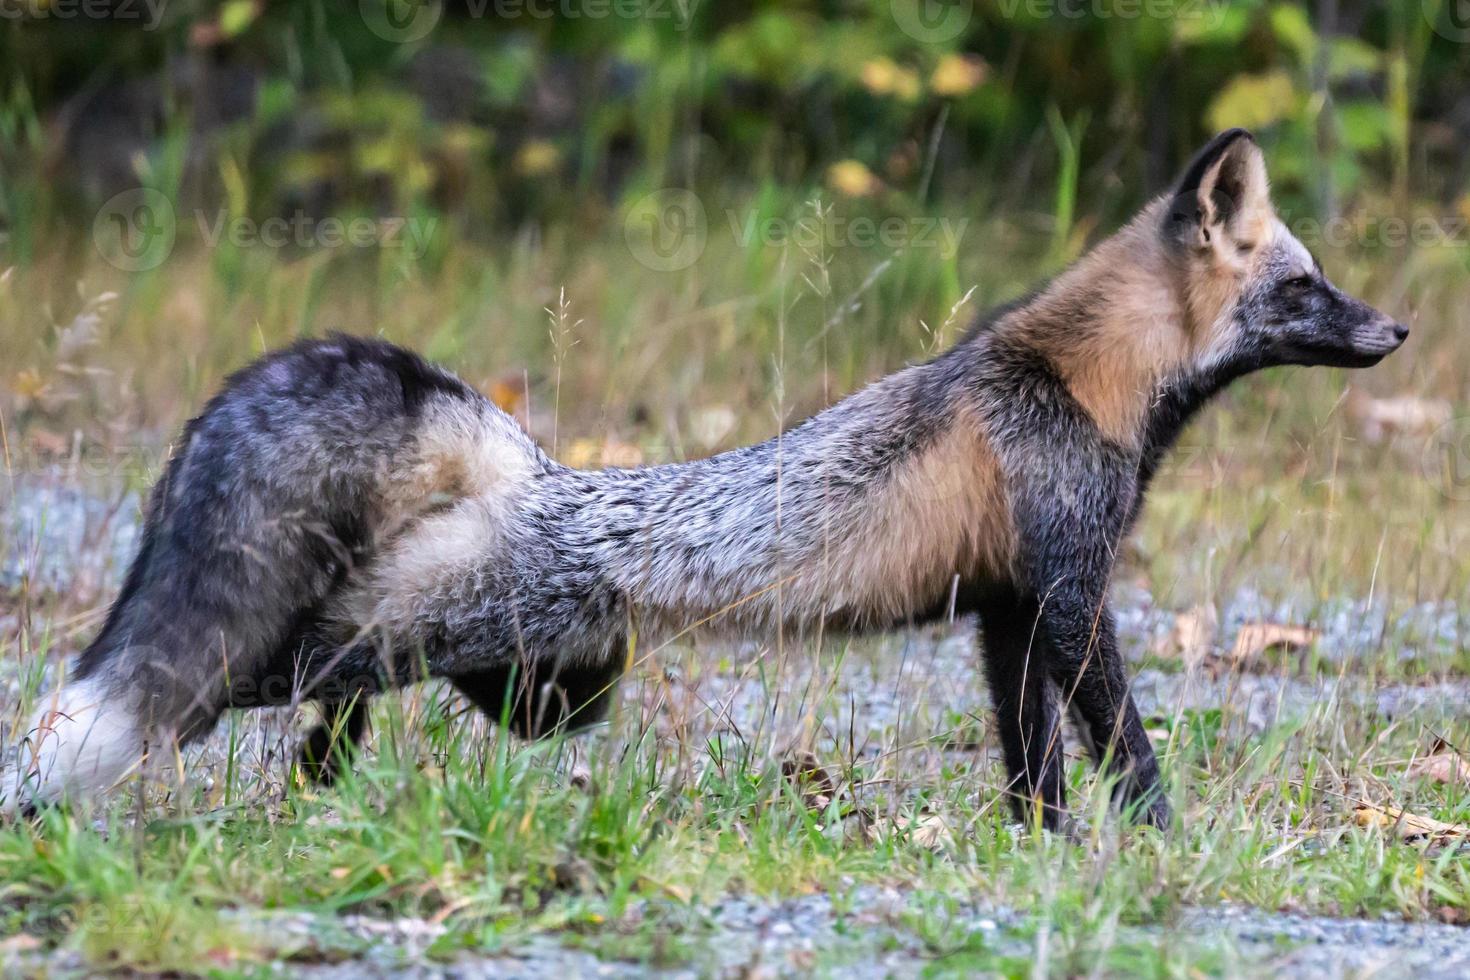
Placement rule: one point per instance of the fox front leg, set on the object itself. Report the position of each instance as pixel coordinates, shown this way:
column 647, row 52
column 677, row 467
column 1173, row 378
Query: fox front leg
column 1070, row 525
column 1090, row 673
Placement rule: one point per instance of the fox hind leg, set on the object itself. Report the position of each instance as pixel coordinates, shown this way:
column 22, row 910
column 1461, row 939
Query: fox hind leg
column 1017, row 667
column 540, row 699
column 333, row 742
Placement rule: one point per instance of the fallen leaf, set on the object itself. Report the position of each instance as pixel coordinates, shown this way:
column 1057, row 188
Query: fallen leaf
column 585, row 454
column 1408, row 826
column 932, row 832
column 1255, row 639
column 927, row 830
column 1192, row 638
column 1382, row 418
column 1442, row 765
column 21, row 942
column 805, row 772
column 711, row 425
column 508, row 392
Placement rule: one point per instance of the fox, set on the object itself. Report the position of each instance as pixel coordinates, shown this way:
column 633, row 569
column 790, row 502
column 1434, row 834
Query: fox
column 344, row 518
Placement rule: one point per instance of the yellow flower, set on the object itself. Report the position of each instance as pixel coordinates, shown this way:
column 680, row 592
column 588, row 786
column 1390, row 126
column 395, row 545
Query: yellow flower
column 536, row 158
column 852, row 178
column 29, row 384
column 883, row 76
column 879, row 75
column 958, row 74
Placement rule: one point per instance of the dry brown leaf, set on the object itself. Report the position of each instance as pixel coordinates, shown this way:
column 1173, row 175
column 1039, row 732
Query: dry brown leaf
column 710, row 426
column 48, row 443
column 1442, row 765
column 1382, row 418
column 1408, row 826
column 927, row 830
column 585, row 454
column 1192, row 638
column 1255, row 639
column 21, row 942
column 931, row 831
column 508, row 392
column 805, row 772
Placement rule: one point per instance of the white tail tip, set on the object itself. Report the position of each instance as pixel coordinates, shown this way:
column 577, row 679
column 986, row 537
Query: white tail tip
column 80, row 742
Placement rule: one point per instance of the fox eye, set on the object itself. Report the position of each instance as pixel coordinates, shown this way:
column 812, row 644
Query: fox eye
column 1298, row 282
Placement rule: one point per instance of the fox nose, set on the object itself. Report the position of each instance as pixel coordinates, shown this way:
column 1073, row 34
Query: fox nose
column 1400, row 332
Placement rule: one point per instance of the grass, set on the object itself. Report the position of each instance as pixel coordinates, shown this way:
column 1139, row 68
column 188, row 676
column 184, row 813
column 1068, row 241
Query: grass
column 448, row 821
column 620, row 842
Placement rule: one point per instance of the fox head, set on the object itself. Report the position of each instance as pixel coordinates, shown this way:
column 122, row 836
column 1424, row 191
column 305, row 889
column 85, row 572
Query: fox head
column 1245, row 270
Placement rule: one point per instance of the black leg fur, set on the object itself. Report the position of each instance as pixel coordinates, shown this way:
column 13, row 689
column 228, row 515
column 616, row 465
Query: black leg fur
column 542, row 699
column 332, row 744
column 1017, row 666
column 1068, row 559
column 1090, row 673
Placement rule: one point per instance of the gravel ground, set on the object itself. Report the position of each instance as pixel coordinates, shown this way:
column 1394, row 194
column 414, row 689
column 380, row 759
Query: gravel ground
column 865, row 939
column 1317, row 948
column 65, row 541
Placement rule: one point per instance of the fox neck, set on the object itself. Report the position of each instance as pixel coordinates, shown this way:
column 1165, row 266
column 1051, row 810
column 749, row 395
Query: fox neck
column 1131, row 336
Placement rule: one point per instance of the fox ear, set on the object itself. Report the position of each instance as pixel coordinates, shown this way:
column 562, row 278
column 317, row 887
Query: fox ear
column 1223, row 196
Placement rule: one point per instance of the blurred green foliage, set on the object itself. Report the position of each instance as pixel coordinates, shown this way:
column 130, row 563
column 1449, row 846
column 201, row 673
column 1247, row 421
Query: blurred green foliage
column 496, row 113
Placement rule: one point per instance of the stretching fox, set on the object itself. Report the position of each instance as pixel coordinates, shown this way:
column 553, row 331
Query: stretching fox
column 344, row 518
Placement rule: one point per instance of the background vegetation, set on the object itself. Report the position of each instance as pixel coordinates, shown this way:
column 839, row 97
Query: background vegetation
column 535, row 128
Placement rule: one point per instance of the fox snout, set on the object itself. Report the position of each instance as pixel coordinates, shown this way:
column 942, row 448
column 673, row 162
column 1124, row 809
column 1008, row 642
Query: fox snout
column 1381, row 337
column 1373, row 335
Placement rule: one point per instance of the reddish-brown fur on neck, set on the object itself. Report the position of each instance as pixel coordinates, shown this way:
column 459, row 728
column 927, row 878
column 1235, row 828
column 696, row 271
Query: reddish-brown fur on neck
column 1138, row 308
